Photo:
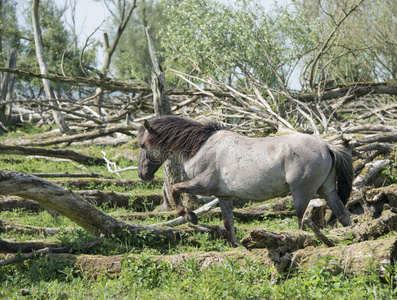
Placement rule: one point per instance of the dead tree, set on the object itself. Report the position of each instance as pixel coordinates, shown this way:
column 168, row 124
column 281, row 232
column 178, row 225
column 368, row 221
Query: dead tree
column 173, row 169
column 6, row 90
column 84, row 214
column 63, row 126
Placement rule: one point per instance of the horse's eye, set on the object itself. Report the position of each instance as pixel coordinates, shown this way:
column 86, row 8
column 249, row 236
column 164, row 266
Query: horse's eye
column 143, row 146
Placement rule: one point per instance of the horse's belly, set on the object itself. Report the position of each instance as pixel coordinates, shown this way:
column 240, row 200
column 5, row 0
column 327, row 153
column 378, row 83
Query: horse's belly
column 251, row 186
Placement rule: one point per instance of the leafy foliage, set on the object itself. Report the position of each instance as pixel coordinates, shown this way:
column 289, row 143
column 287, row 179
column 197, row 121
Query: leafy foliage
column 363, row 47
column 9, row 29
column 234, row 42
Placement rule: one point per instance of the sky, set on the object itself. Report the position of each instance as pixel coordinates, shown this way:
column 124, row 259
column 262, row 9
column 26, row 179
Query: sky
column 89, row 16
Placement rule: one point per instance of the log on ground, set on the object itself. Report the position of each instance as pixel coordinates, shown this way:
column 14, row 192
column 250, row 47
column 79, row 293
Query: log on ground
column 352, row 259
column 7, row 226
column 98, row 264
column 278, row 243
column 70, row 205
column 95, row 197
column 114, row 199
column 84, row 183
column 24, row 247
column 58, row 153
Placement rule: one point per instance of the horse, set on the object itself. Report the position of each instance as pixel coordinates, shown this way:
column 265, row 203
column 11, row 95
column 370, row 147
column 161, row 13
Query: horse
column 227, row 165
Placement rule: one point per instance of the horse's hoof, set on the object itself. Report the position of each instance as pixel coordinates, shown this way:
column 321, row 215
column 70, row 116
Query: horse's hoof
column 191, row 217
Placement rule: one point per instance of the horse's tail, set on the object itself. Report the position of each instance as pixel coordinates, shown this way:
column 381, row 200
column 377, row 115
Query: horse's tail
column 343, row 163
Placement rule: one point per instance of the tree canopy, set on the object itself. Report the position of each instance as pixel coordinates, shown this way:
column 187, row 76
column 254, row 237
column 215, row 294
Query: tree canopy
column 235, row 42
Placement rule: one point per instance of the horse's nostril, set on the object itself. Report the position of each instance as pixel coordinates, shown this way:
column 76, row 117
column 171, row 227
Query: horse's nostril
column 145, row 177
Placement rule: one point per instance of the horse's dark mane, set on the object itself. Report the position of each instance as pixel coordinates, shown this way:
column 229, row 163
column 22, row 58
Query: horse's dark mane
column 179, row 135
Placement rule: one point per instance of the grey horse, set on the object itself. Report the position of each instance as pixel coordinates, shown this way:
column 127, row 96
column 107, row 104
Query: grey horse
column 227, row 165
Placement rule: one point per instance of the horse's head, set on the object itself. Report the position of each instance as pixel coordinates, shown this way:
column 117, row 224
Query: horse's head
column 151, row 158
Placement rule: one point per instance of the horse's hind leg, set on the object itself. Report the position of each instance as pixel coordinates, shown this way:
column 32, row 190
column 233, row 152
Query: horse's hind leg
column 329, row 193
column 336, row 205
column 228, row 221
column 193, row 186
column 301, row 199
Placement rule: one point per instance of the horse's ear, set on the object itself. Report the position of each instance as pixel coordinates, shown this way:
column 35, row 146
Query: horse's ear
column 146, row 124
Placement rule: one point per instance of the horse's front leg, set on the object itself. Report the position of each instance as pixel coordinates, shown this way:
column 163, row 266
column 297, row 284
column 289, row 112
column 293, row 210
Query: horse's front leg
column 191, row 187
column 228, row 221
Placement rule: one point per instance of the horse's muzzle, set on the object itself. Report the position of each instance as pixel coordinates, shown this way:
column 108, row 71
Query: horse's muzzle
column 146, row 177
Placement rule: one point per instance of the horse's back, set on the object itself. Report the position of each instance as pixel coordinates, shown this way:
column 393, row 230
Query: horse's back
column 258, row 168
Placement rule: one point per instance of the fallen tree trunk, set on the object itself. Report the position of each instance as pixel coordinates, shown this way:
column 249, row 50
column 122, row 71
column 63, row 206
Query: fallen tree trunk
column 95, row 197
column 114, row 199
column 278, row 243
column 368, row 229
column 23, row 247
column 373, row 201
column 69, row 154
column 354, row 259
column 369, row 172
column 58, row 198
column 11, row 203
column 247, row 214
column 84, row 183
column 95, row 265
column 70, row 205
column 350, row 259
column 68, row 175
column 281, row 244
column 108, row 130
column 354, row 90
column 7, row 226
column 389, row 137
column 51, row 248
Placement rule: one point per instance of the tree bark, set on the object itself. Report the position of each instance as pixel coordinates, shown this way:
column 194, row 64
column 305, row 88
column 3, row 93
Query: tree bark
column 114, row 199
column 70, row 205
column 58, row 198
column 50, row 248
column 7, row 88
column 355, row 259
column 280, row 243
column 23, row 247
column 355, row 90
column 10, row 204
column 69, row 154
column 85, row 183
column 96, row 198
column 95, row 265
column 113, row 128
column 7, row 226
column 59, row 120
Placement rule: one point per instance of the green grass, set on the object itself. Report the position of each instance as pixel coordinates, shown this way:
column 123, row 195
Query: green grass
column 143, row 278
column 20, row 163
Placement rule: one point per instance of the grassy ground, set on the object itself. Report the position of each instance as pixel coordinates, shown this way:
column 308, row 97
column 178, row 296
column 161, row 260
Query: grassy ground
column 144, row 278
